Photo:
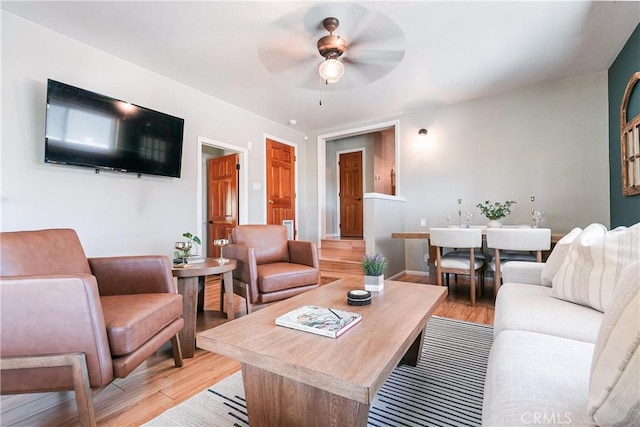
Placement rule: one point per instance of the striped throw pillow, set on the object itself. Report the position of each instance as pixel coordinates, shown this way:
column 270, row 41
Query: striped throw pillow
column 592, row 266
column 614, row 387
column 557, row 256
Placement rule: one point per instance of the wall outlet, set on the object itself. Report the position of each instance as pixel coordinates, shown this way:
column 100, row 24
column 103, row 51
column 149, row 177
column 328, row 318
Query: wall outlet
column 426, row 257
column 423, row 222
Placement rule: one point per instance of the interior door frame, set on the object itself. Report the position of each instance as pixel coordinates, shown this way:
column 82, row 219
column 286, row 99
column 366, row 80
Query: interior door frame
column 321, row 156
column 295, row 177
column 243, row 184
column 364, row 174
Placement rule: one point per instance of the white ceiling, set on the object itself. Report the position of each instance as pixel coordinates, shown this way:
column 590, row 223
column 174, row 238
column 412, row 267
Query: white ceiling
column 453, row 51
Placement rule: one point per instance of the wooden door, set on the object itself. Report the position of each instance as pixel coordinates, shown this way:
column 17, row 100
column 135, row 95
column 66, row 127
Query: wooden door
column 222, row 200
column 351, row 189
column 281, row 197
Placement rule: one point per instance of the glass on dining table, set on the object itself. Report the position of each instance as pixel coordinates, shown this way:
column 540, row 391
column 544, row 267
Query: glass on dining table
column 537, row 218
column 450, row 216
column 469, row 218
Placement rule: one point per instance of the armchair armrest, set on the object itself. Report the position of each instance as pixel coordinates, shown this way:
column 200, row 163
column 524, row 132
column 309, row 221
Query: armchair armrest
column 247, row 269
column 133, row 275
column 522, row 272
column 44, row 315
column 302, row 252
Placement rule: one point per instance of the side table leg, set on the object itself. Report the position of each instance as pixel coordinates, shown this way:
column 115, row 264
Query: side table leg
column 227, row 279
column 188, row 288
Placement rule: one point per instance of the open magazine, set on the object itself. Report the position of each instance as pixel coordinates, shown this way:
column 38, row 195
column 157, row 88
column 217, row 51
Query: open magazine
column 329, row 322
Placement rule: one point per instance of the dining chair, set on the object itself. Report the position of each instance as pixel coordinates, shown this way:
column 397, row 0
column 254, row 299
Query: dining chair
column 453, row 240
column 515, row 244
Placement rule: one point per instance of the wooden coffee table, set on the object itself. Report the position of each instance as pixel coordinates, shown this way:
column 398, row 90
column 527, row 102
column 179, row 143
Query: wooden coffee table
column 298, row 378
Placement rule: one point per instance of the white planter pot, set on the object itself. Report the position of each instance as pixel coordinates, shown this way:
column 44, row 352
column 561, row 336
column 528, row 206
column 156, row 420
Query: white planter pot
column 374, row 283
column 494, row 223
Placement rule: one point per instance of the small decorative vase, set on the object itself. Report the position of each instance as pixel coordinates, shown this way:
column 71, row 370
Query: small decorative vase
column 374, row 283
column 494, row 223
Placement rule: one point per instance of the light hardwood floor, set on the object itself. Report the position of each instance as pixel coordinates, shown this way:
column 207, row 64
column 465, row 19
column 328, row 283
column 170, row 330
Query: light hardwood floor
column 157, row 385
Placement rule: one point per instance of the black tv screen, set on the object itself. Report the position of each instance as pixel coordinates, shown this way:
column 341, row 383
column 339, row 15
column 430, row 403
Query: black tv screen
column 84, row 128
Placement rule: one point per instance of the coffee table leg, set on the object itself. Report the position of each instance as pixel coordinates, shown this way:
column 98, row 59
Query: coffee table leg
column 273, row 400
column 227, row 278
column 188, row 288
column 412, row 356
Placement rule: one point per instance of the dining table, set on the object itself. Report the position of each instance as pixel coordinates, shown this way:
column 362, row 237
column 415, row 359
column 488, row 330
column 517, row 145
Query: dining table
column 424, row 235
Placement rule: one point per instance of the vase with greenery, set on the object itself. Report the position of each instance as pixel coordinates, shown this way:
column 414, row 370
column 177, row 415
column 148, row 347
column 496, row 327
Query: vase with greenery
column 374, row 267
column 495, row 211
column 184, row 248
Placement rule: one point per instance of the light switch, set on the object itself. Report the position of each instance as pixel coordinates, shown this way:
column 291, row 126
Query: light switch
column 423, row 222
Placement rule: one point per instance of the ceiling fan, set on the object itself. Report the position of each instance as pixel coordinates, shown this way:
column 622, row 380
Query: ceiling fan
column 331, row 47
column 300, row 53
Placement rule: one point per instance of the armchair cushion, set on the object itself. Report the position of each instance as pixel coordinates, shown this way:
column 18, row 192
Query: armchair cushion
column 127, row 275
column 283, row 275
column 269, row 242
column 132, row 319
column 58, row 252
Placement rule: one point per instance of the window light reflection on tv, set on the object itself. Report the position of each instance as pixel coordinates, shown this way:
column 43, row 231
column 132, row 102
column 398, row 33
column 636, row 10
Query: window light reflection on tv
column 87, row 129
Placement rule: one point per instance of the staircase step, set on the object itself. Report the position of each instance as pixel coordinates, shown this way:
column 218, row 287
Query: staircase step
column 344, row 245
column 341, row 258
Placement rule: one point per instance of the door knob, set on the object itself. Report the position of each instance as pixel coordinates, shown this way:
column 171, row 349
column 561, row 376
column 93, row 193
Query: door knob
column 210, row 222
column 358, row 199
column 270, row 201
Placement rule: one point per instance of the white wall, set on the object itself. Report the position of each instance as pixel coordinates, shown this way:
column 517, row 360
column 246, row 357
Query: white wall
column 112, row 213
column 549, row 140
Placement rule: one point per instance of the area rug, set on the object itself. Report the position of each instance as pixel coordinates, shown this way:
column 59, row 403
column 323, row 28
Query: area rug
column 445, row 389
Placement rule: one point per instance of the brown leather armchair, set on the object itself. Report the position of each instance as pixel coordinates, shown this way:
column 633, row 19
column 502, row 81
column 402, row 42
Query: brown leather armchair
column 270, row 267
column 72, row 323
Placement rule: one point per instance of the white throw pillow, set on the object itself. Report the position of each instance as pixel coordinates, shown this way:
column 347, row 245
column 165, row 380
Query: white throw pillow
column 614, row 389
column 592, row 266
column 556, row 257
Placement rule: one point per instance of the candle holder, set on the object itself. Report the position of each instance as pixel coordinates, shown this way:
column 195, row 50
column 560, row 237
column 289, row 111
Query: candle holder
column 221, row 243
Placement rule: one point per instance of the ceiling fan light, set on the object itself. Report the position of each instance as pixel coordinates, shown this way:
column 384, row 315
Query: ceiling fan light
column 331, row 70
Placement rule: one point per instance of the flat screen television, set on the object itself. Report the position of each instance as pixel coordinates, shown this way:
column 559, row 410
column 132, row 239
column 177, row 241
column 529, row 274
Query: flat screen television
column 84, row 128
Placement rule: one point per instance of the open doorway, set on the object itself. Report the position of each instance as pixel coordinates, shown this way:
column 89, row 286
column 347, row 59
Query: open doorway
column 234, row 204
column 380, row 146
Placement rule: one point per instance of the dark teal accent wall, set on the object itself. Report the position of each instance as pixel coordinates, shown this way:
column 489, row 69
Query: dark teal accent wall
column 623, row 210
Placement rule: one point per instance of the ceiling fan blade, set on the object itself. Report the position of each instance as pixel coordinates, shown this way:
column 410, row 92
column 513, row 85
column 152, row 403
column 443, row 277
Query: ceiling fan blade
column 366, row 56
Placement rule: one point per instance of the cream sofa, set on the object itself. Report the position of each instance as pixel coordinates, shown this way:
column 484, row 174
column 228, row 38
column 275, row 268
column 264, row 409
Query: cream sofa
column 540, row 366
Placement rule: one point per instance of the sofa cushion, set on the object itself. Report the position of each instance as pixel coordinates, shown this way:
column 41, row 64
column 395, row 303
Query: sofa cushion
column 537, row 379
column 557, row 255
column 614, row 392
column 594, row 261
column 527, row 307
column 132, row 319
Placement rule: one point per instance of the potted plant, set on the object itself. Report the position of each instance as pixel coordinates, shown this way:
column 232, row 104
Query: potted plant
column 183, row 251
column 374, row 267
column 495, row 211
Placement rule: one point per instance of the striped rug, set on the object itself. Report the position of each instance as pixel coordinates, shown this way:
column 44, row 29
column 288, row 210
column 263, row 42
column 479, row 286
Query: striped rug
column 445, row 389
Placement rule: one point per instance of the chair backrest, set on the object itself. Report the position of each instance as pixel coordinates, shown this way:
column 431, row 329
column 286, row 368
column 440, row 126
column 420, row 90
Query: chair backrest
column 456, row 237
column 42, row 252
column 519, row 239
column 269, row 241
